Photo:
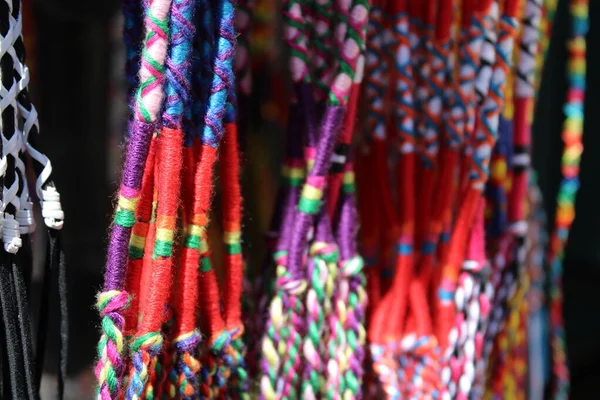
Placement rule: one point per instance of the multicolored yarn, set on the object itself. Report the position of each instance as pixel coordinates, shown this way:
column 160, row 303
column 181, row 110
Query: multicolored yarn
column 351, row 301
column 403, row 117
column 293, row 172
column 323, row 55
column 233, row 262
column 509, row 280
column 111, row 366
column 565, row 212
column 536, row 297
column 222, row 77
column 318, row 304
column 376, row 69
column 447, row 309
column 290, row 285
column 148, row 339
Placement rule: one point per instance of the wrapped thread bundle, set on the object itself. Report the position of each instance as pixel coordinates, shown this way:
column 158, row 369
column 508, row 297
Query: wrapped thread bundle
column 442, row 220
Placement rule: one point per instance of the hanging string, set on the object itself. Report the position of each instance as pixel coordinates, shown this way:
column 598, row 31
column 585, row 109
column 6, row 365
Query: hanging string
column 565, row 213
column 148, row 339
column 113, row 300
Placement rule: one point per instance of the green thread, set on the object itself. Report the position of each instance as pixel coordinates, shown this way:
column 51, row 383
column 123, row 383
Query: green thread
column 135, row 253
column 234, row 248
column 192, row 242
column 162, row 249
column 309, row 206
column 125, row 218
column 205, row 264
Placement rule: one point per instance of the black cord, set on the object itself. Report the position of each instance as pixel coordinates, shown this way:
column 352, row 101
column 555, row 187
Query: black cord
column 61, row 274
column 42, row 326
column 22, row 304
column 55, row 274
column 12, row 344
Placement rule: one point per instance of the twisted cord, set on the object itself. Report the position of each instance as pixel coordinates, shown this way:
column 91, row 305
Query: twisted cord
column 494, row 103
column 536, row 297
column 197, row 242
column 565, row 210
column 351, row 297
column 170, row 163
column 178, row 72
column 333, row 346
column 293, row 173
column 385, row 356
column 289, row 286
column 290, row 275
column 184, row 375
column 376, row 73
column 282, row 328
column 234, row 262
column 469, row 59
column 184, row 361
column 492, row 106
column 310, row 201
column 323, row 57
column 438, row 52
column 186, row 365
column 222, row 77
column 111, row 364
column 404, row 112
column 298, row 27
column 316, row 309
column 529, row 48
column 351, row 50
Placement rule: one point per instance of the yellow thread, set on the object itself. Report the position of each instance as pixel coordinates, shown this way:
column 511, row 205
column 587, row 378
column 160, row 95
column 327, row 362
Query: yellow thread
column 127, row 204
column 573, row 127
column 281, row 349
column 312, row 193
column 293, row 172
column 195, row 230
column 276, row 311
column 362, row 334
column 316, row 247
column 232, row 237
column 342, row 311
column 280, row 270
column 203, row 247
column 269, row 352
column 137, row 241
column 577, row 66
column 184, row 336
column 164, row 235
column 268, row 391
column 577, row 44
column 348, row 177
column 499, row 169
column 579, row 10
column 329, row 283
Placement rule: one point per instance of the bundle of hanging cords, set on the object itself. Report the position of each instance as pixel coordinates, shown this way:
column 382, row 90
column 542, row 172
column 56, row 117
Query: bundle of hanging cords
column 22, row 362
column 396, row 262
